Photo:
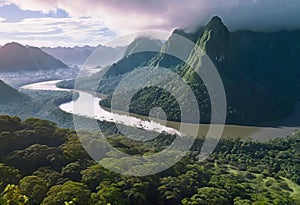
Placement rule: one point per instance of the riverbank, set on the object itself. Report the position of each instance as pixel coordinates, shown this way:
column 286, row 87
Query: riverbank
column 279, row 129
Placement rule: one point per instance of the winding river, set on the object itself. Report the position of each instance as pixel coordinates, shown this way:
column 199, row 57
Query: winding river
column 98, row 112
column 278, row 129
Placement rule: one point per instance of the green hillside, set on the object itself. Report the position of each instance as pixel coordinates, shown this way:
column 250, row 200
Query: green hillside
column 259, row 72
column 9, row 94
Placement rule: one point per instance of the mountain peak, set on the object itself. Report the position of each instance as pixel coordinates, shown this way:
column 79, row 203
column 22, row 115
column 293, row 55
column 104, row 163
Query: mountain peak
column 180, row 32
column 141, row 44
column 215, row 39
column 16, row 57
column 13, row 45
column 216, row 23
column 216, row 19
column 192, row 36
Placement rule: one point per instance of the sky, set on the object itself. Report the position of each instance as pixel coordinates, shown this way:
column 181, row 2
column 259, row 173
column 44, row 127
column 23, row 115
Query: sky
column 93, row 22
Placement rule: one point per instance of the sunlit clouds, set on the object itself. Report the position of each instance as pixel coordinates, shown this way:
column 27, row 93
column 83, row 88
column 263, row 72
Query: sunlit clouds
column 55, row 31
column 93, row 22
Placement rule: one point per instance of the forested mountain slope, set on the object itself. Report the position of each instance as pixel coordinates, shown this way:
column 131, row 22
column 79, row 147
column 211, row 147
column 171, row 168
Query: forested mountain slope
column 259, row 71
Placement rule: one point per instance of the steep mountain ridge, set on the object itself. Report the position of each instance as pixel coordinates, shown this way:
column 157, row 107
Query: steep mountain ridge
column 176, row 44
column 258, row 70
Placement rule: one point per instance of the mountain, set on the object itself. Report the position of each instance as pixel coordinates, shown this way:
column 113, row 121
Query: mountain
column 74, row 56
column 259, row 70
column 142, row 44
column 9, row 94
column 176, row 43
column 138, row 52
column 16, row 57
column 78, row 55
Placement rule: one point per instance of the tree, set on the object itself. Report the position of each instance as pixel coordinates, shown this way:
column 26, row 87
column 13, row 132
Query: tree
column 173, row 189
column 72, row 171
column 13, row 196
column 109, row 194
column 35, row 122
column 233, row 184
column 93, row 175
column 34, row 187
column 9, row 123
column 137, row 190
column 44, row 132
column 8, row 175
column 240, row 201
column 35, row 156
column 52, row 177
column 208, row 196
column 69, row 191
column 73, row 149
column 7, row 142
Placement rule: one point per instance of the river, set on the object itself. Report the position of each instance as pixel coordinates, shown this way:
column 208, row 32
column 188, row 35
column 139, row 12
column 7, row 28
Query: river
column 280, row 129
column 98, row 112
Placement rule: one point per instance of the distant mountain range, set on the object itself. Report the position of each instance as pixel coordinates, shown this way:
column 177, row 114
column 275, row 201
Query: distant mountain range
column 79, row 55
column 132, row 58
column 260, row 72
column 70, row 55
column 16, row 57
column 9, row 94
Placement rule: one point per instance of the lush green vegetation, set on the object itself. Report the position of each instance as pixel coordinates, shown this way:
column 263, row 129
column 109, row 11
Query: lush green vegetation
column 44, row 164
column 41, row 104
column 252, row 65
column 9, row 94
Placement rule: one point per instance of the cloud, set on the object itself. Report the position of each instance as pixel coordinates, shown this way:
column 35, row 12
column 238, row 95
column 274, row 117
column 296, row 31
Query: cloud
column 54, row 31
column 128, row 16
column 4, row 2
column 99, row 21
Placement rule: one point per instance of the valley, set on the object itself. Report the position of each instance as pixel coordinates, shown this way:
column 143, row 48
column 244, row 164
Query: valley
column 149, row 103
column 278, row 129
